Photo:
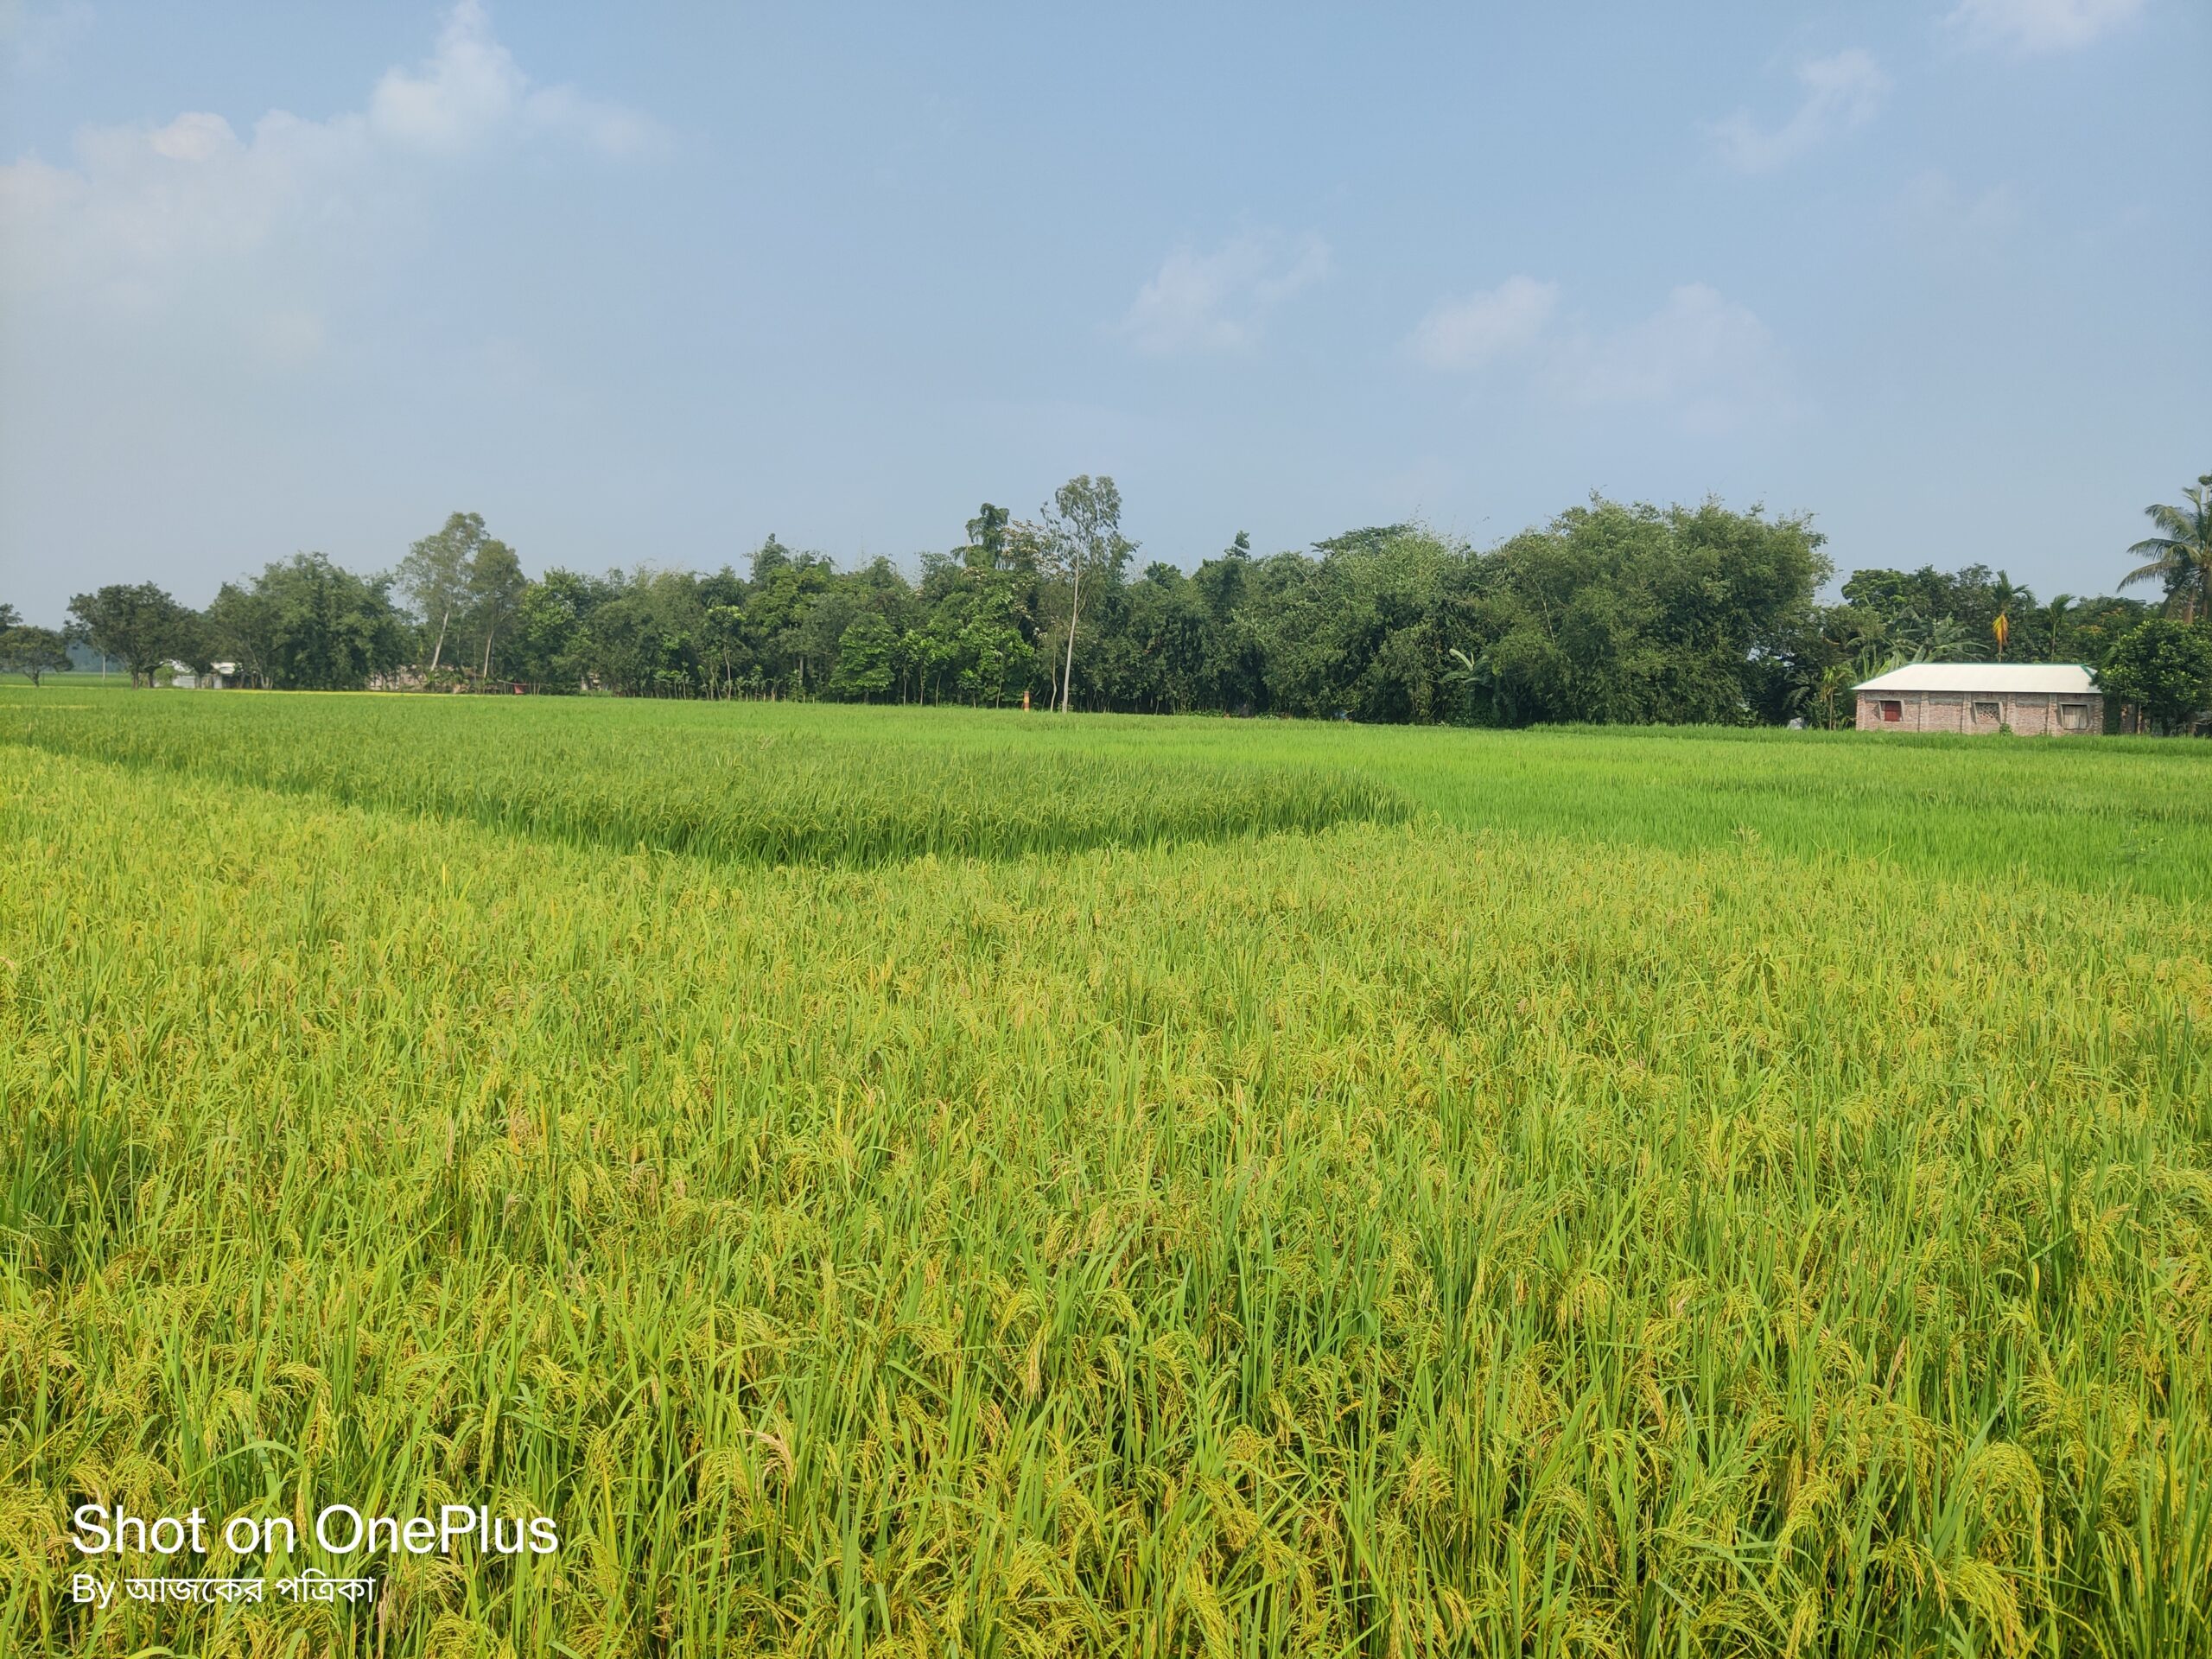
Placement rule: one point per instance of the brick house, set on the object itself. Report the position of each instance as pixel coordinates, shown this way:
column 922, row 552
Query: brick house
column 2034, row 699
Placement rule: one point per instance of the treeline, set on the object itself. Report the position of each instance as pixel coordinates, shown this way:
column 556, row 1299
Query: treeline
column 1612, row 613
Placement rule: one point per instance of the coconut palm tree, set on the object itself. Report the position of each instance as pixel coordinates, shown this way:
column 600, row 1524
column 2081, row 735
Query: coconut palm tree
column 2007, row 596
column 1833, row 686
column 1935, row 639
column 2054, row 620
column 2181, row 555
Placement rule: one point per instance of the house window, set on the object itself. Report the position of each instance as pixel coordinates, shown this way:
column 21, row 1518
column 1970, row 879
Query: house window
column 1987, row 714
column 2073, row 716
column 1892, row 710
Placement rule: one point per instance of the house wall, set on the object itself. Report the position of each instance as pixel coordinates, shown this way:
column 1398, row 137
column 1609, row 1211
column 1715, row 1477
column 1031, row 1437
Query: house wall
column 2030, row 714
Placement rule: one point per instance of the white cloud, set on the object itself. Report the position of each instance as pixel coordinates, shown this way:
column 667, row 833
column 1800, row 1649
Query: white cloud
column 1842, row 93
column 2040, row 25
column 144, row 213
column 1221, row 301
column 1704, row 359
column 37, row 36
column 1707, row 357
column 146, row 209
column 471, row 89
column 1954, row 224
column 610, row 127
column 1492, row 323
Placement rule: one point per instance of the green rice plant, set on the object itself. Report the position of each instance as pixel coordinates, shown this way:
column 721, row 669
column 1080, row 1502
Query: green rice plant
column 1412, row 1235
column 818, row 783
column 769, row 790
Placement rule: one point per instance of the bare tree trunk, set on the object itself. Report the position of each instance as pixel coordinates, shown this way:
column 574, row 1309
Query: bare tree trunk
column 1074, row 609
column 438, row 650
column 488, row 632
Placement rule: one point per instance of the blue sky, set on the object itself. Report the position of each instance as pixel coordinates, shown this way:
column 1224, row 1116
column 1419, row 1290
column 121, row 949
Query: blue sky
column 644, row 284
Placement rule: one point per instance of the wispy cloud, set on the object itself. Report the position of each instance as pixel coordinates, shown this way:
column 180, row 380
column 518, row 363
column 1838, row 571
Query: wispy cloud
column 2040, row 25
column 1704, row 361
column 1221, row 301
column 1477, row 329
column 1707, row 360
column 1840, row 92
column 144, row 211
column 471, row 89
column 1954, row 226
column 36, row 36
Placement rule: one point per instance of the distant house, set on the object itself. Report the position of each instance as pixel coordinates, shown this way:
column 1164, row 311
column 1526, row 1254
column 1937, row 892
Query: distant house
column 219, row 676
column 2034, row 699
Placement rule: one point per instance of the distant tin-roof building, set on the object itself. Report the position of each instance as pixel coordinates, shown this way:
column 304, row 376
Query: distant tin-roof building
column 220, row 675
column 2034, row 699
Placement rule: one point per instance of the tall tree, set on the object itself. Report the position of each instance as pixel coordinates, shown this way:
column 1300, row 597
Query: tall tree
column 779, row 605
column 242, row 622
column 496, row 585
column 32, row 652
column 305, row 624
column 1629, row 613
column 2165, row 667
column 138, row 623
column 550, row 639
column 2008, row 597
column 986, row 537
column 863, row 668
column 2180, row 555
column 1829, row 693
column 2053, row 619
column 2094, row 626
column 1085, row 522
column 434, row 576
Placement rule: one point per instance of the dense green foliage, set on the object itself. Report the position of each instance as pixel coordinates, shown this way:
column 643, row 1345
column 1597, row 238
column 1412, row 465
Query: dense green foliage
column 1610, row 613
column 32, row 652
column 1562, row 1221
column 2165, row 667
column 138, row 624
column 2179, row 556
column 1632, row 616
column 307, row 624
column 1952, row 616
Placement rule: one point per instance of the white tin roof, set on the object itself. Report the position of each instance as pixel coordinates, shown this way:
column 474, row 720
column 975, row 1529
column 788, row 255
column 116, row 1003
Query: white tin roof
column 2060, row 678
